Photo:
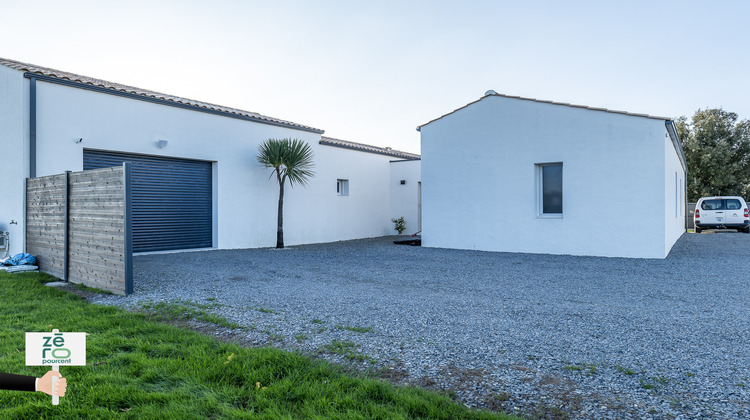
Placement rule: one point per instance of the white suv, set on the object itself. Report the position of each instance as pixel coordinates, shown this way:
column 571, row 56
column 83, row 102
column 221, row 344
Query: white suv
column 721, row 213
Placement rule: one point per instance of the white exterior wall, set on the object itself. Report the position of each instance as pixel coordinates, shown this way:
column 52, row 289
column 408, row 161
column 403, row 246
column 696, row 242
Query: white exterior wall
column 405, row 198
column 13, row 154
column 479, row 189
column 674, row 192
column 245, row 199
column 323, row 216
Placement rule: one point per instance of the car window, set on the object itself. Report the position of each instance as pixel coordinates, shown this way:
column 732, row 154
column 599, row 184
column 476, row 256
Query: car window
column 716, row 204
column 733, row 204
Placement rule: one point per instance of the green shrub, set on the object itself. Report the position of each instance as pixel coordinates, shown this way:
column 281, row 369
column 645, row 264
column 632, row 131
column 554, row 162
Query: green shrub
column 399, row 224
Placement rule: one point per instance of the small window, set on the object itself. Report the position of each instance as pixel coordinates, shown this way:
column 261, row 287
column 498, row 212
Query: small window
column 715, row 204
column 550, row 189
column 733, row 204
column 342, row 186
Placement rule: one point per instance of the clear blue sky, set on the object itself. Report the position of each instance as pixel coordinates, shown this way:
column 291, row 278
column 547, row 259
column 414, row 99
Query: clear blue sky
column 372, row 71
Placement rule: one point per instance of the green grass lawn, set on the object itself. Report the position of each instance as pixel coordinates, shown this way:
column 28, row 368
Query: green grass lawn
column 139, row 368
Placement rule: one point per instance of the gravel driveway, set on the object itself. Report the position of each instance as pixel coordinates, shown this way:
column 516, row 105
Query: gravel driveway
column 544, row 335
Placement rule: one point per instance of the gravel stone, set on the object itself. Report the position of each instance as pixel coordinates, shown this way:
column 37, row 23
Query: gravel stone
column 551, row 336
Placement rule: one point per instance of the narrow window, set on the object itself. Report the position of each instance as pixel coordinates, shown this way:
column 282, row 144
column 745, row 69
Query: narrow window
column 676, row 196
column 550, row 189
column 342, row 186
column 682, row 194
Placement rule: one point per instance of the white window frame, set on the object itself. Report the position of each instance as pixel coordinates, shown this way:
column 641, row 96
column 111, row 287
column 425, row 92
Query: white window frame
column 342, row 187
column 540, row 191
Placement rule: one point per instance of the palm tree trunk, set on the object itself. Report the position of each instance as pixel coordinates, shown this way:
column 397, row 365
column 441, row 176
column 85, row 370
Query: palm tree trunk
column 280, row 218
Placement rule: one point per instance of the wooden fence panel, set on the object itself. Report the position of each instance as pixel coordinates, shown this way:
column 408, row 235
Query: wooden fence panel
column 45, row 223
column 97, row 229
column 88, row 221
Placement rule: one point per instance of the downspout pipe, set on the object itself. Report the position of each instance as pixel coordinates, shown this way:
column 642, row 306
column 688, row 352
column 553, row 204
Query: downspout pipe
column 32, row 127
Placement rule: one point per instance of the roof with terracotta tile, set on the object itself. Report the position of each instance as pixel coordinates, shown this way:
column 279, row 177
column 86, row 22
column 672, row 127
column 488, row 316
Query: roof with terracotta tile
column 168, row 99
column 492, row 93
column 329, row 141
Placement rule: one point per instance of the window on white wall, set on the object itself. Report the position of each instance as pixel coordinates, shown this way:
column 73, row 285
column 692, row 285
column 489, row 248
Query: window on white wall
column 342, row 186
column 676, row 195
column 682, row 198
column 550, row 189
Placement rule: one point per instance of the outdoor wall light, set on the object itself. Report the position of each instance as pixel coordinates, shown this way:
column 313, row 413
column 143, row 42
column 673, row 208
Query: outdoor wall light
column 403, row 182
column 161, row 143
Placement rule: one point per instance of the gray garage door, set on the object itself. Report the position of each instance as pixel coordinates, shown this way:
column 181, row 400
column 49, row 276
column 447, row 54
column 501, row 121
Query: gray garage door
column 171, row 199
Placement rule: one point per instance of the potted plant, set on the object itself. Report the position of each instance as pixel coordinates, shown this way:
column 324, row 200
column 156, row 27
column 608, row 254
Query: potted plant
column 399, row 224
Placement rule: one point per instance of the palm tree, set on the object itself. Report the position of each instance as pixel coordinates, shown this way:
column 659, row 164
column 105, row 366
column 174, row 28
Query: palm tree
column 290, row 159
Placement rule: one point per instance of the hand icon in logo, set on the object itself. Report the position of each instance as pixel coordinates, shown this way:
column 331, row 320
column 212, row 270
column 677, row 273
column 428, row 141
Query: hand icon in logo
column 44, row 384
column 13, row 382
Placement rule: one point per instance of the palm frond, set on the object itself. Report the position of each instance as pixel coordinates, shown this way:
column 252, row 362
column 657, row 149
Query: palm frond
column 293, row 158
column 271, row 153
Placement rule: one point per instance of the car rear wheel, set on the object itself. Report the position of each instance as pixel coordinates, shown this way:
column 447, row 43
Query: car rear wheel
column 698, row 230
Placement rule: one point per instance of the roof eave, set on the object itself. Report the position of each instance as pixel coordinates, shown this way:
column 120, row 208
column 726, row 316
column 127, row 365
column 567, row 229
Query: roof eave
column 590, row 108
column 366, row 148
column 672, row 131
column 88, row 83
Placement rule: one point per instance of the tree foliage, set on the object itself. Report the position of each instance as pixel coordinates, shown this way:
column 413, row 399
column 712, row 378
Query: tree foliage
column 292, row 160
column 717, row 150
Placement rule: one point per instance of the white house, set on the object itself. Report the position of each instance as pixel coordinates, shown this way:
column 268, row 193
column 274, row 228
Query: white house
column 202, row 155
column 516, row 174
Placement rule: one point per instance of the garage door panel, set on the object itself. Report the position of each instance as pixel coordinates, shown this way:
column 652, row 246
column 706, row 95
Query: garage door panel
column 171, row 199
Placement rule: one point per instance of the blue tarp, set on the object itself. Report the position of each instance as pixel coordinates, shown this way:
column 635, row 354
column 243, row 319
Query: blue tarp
column 20, row 259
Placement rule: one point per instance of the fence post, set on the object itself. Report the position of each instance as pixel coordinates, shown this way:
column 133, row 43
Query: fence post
column 128, row 227
column 25, row 214
column 66, row 228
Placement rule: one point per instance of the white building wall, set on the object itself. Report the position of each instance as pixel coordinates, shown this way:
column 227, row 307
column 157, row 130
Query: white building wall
column 321, row 215
column 479, row 189
column 405, row 197
column 13, row 155
column 674, row 193
column 245, row 199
